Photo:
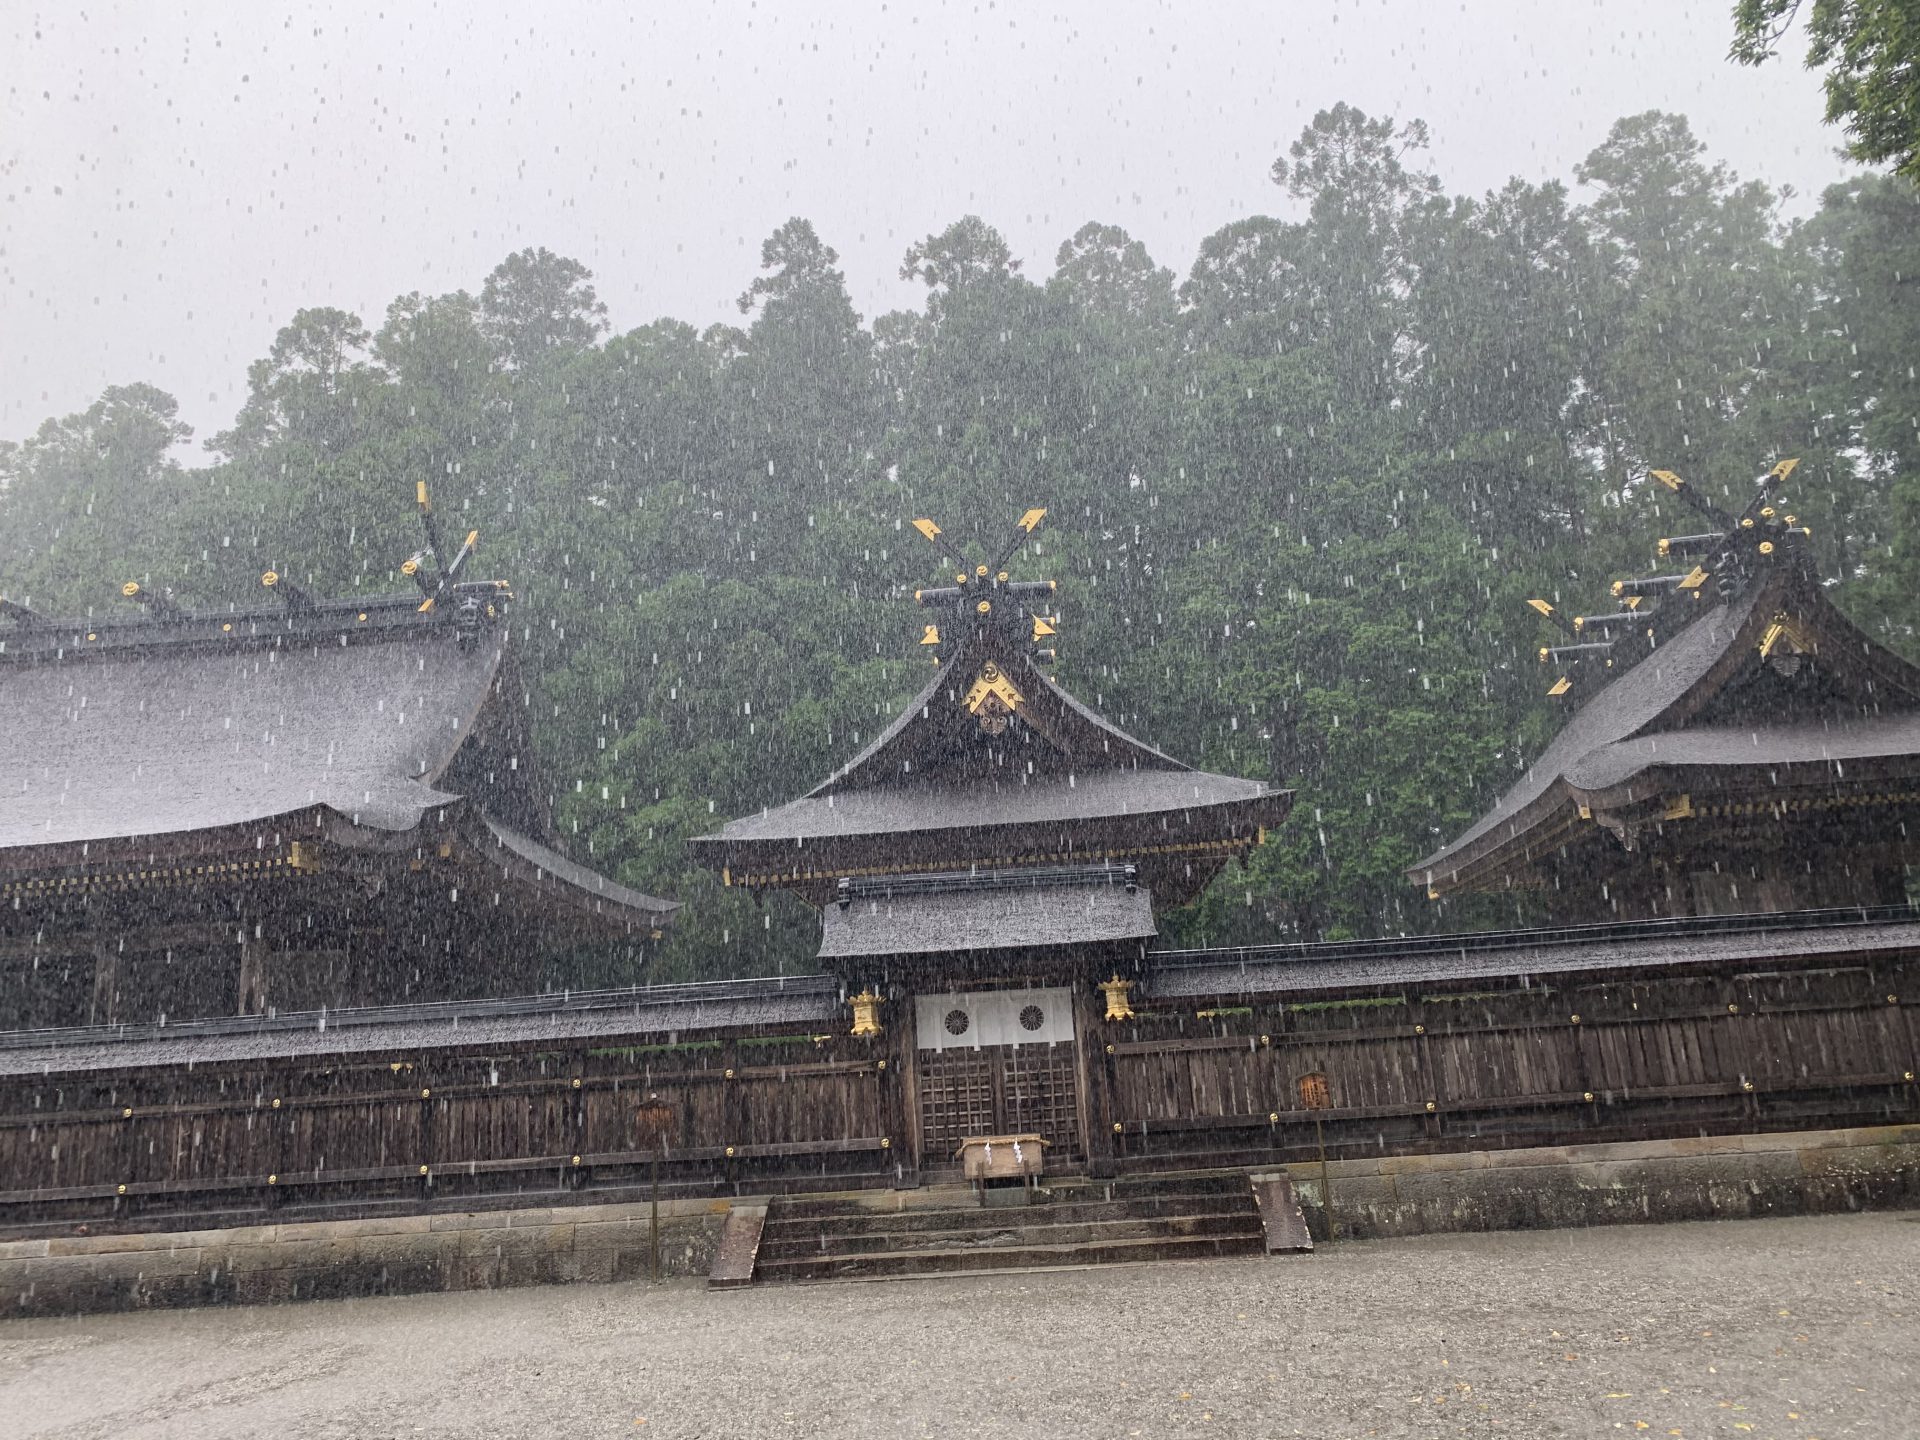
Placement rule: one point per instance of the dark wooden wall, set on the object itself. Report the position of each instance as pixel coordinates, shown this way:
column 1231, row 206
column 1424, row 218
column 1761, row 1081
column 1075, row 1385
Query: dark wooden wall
column 1202, row 1082
column 1565, row 1060
column 758, row 1111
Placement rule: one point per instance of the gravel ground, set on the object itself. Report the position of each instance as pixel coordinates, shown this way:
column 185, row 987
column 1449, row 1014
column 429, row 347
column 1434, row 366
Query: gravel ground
column 1772, row 1328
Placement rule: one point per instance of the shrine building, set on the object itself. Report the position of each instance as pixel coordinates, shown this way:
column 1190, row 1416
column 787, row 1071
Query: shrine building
column 312, row 805
column 1735, row 744
column 992, row 864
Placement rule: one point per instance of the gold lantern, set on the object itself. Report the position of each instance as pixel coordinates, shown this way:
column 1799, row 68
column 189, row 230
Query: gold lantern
column 1118, row 1006
column 866, row 1012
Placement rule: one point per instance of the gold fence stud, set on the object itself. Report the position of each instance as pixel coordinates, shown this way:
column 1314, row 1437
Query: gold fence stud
column 576, row 1159
column 1893, row 999
column 729, row 1074
column 1266, row 1040
column 576, row 1082
column 881, row 1065
column 1273, row 1117
column 1432, row 1105
column 1733, row 1009
column 1118, row 1128
column 1746, row 1084
column 729, row 1152
column 886, row 1142
column 276, row 1102
column 121, row 1191
column 1111, row 1050
column 1574, row 1018
column 1419, row 1029
column 424, row 1092
column 273, row 1179
column 127, row 1114
column 1908, row 1075
column 1587, row 1095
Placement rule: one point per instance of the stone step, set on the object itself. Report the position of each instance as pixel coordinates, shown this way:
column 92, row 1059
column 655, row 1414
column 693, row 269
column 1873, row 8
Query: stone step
column 1012, row 1257
column 1227, row 1182
column 1073, row 1190
column 787, row 1217
column 1030, row 1231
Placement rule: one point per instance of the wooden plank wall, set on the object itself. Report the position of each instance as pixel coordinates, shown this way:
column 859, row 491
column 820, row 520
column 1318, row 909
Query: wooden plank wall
column 1571, row 1060
column 1209, row 1081
column 757, row 1111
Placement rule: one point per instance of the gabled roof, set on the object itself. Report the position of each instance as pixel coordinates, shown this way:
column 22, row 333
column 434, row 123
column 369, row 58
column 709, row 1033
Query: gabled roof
column 925, row 739
column 1048, row 780
column 1038, row 800
column 1704, row 712
column 197, row 732
column 157, row 739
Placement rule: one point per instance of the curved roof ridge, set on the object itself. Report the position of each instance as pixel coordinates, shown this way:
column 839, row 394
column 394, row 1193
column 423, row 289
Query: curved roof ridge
column 1618, row 711
column 859, row 772
column 170, row 739
column 1620, row 729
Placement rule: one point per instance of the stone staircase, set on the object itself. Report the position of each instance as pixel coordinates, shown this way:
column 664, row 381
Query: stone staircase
column 1084, row 1223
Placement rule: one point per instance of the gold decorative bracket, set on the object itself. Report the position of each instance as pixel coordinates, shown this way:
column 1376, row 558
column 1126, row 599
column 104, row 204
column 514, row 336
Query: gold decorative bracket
column 993, row 686
column 1784, row 627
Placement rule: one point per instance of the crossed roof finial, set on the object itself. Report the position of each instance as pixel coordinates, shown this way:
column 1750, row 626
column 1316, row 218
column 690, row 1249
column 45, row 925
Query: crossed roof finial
column 983, row 594
column 1729, row 554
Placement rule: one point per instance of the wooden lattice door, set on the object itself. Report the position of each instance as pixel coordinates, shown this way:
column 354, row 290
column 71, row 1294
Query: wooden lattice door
column 999, row 1090
column 1001, row 1062
column 1039, row 1095
column 956, row 1100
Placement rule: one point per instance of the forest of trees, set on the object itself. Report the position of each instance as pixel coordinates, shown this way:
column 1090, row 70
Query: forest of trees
column 1298, row 496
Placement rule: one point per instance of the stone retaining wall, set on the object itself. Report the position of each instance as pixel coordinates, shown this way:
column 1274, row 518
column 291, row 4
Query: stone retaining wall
column 1717, row 1177
column 1710, row 1178
column 334, row 1259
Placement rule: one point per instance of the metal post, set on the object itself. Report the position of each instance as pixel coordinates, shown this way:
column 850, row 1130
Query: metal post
column 653, row 1246
column 1326, row 1183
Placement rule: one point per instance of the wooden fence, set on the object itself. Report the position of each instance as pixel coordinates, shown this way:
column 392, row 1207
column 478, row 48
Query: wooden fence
column 766, row 1111
column 1206, row 1081
column 1566, row 1060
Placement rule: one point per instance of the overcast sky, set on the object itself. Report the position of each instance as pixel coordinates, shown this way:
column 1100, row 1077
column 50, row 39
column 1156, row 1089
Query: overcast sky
column 179, row 178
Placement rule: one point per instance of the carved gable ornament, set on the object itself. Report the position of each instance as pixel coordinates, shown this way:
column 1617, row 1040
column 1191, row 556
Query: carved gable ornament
column 992, row 699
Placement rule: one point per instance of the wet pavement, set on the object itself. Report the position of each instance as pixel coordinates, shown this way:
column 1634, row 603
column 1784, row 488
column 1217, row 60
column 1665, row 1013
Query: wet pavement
column 1774, row 1328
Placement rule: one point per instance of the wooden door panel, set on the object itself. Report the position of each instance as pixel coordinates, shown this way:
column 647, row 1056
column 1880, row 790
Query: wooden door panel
column 999, row 1090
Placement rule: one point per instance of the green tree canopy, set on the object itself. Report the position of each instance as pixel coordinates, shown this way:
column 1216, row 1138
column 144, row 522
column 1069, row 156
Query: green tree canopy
column 1871, row 52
